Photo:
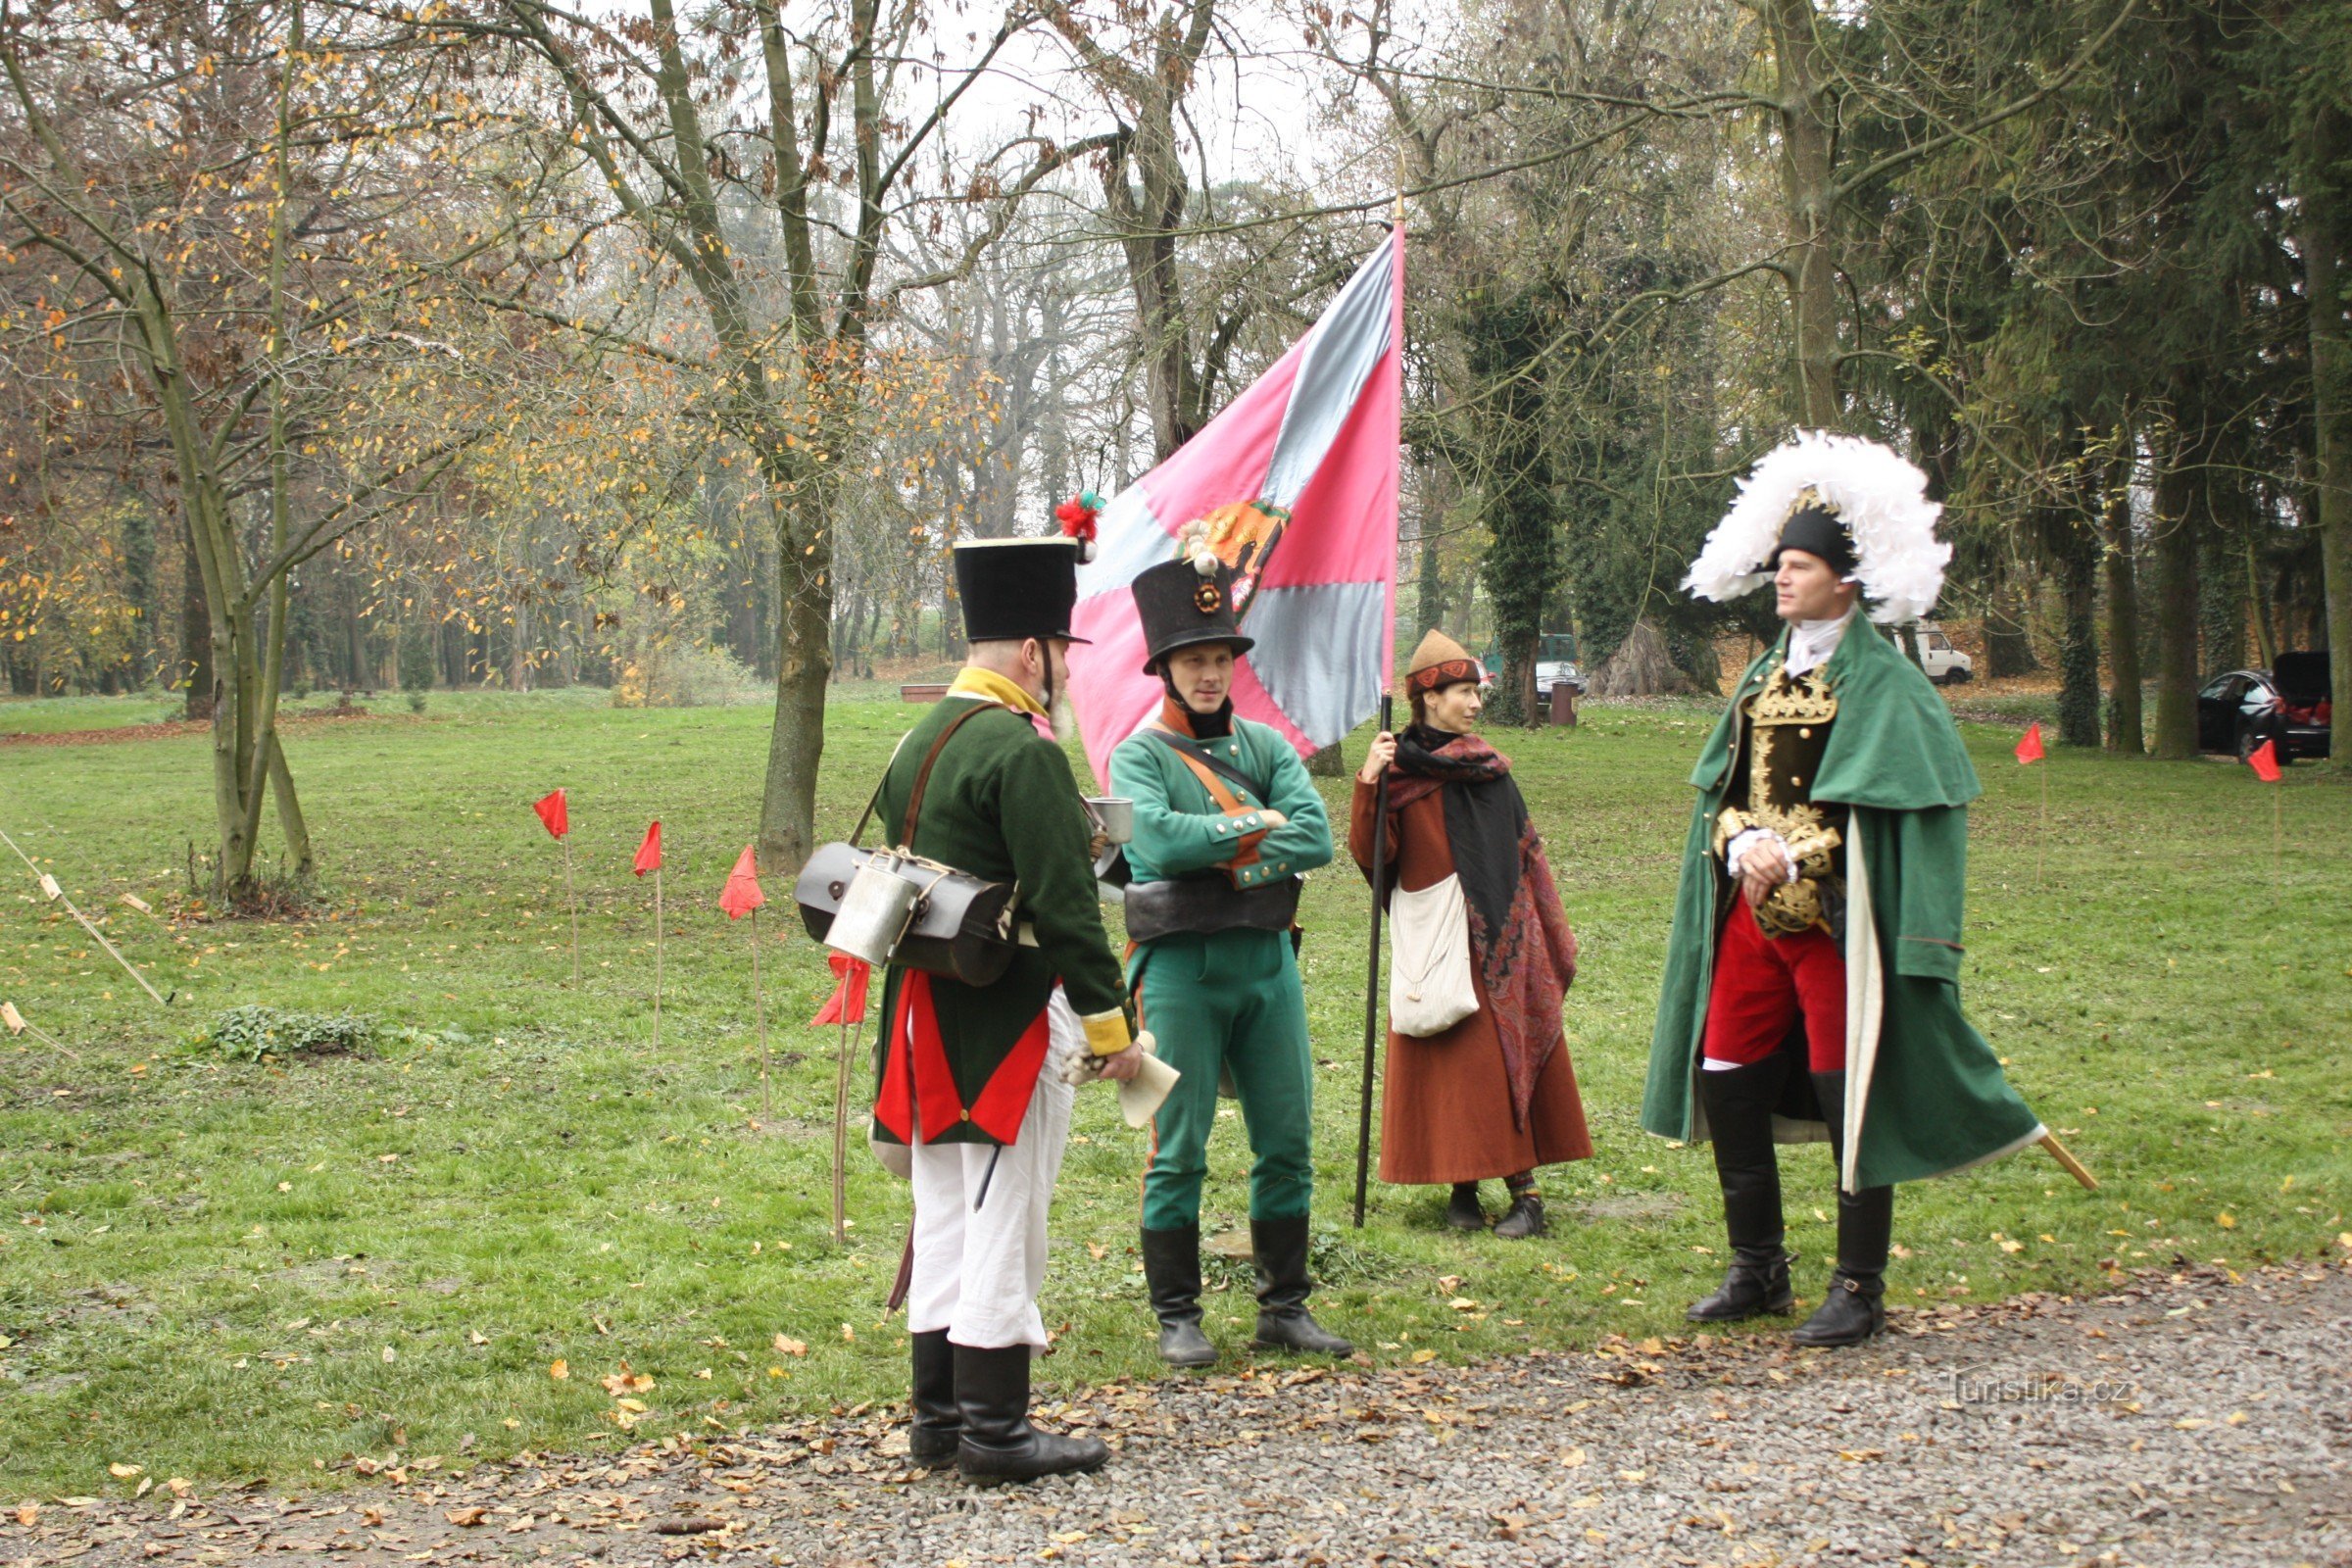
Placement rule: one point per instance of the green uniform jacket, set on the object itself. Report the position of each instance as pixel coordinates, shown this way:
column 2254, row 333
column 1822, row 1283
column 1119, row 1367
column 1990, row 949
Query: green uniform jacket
column 1935, row 1099
column 1002, row 805
column 1181, row 830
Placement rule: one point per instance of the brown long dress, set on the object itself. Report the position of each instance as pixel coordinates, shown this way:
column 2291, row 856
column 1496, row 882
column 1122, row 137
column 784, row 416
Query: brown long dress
column 1445, row 1101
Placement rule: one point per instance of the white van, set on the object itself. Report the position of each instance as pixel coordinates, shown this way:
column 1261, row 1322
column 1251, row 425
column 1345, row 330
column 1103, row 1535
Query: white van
column 1945, row 664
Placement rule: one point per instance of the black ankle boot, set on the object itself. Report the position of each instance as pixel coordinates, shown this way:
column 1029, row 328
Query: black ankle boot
column 931, row 1437
column 1283, row 1320
column 1461, row 1210
column 991, row 1397
column 1855, row 1307
column 1525, row 1217
column 1739, row 1102
column 1172, row 1275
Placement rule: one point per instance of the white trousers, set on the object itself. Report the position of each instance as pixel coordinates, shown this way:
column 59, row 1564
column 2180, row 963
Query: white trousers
column 979, row 1258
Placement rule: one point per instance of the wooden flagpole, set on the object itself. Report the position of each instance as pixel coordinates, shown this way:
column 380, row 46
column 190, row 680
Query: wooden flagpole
column 18, row 1023
column 760, row 1010
column 1380, row 871
column 841, row 1137
column 2042, row 839
column 656, row 955
column 573, row 899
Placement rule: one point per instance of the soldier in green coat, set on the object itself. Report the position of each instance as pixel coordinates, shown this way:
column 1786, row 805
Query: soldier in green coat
column 1812, row 984
column 977, row 1079
column 1225, row 821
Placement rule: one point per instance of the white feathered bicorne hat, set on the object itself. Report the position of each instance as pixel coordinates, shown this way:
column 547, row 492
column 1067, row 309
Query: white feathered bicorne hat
column 1881, row 500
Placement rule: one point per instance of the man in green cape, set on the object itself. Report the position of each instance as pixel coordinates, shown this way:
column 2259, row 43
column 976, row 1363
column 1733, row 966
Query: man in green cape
column 1812, row 978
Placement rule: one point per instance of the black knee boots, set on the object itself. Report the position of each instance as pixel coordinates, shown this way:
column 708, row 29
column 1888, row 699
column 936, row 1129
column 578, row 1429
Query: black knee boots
column 997, row 1441
column 1172, row 1275
column 1855, row 1307
column 931, row 1438
column 1738, row 1102
column 1283, row 1321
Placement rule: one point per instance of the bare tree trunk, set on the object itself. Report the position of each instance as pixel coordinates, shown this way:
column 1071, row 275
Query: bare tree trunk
column 2331, row 405
column 1808, row 141
column 2175, row 553
column 2124, row 721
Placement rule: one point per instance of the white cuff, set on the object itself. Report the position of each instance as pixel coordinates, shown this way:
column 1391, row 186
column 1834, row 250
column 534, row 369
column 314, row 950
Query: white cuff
column 1745, row 840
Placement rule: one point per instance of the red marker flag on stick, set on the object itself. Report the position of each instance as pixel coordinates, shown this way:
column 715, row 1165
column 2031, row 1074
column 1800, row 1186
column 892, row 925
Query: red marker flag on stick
column 2264, row 760
column 2029, row 749
column 847, row 1004
column 742, row 895
column 649, row 859
column 555, row 816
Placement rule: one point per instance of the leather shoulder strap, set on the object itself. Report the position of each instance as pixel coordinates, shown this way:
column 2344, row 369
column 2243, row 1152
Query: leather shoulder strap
column 922, row 779
column 1198, row 758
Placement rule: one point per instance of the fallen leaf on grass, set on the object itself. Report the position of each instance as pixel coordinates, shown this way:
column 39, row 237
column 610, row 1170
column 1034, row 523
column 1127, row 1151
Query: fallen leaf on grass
column 122, row 1472
column 625, row 1380
column 558, row 1370
column 788, row 1346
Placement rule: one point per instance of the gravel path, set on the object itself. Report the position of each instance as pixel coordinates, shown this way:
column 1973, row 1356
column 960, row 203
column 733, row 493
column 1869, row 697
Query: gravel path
column 2188, row 1418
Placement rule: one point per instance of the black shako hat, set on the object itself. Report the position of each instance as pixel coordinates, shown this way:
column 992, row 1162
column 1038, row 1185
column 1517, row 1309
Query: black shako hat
column 1181, row 608
column 1014, row 589
column 1816, row 530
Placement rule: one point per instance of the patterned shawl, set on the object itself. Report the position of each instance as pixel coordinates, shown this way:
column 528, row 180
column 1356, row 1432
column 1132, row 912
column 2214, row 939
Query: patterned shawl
column 1519, row 934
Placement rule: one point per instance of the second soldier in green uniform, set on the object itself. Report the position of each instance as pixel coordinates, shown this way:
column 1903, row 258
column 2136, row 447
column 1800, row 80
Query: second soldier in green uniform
column 1225, row 821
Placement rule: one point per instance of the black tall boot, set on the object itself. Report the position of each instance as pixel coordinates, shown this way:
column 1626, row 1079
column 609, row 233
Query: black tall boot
column 1738, row 1102
column 1172, row 1275
column 1855, row 1307
column 931, row 1438
column 1283, row 1320
column 991, row 1397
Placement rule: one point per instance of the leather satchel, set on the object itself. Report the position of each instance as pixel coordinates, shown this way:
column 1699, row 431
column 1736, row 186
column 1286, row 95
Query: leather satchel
column 961, row 925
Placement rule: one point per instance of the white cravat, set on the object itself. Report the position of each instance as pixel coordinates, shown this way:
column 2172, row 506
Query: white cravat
column 1812, row 642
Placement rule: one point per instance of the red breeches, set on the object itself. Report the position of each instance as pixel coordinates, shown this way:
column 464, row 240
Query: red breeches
column 1763, row 983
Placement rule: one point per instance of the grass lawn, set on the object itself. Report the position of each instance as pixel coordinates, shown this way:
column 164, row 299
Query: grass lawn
column 221, row 1269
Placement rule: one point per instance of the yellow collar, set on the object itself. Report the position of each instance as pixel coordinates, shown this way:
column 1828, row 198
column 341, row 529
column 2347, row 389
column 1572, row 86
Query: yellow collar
column 973, row 682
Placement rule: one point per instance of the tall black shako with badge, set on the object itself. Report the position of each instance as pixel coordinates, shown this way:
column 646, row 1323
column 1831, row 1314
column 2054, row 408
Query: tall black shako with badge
column 967, row 1074
column 1225, row 821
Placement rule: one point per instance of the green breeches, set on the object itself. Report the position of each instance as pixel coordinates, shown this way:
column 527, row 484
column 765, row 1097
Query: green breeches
column 1229, row 1000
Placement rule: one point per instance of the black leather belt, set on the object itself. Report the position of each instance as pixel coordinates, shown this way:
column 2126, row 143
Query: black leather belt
column 1200, row 904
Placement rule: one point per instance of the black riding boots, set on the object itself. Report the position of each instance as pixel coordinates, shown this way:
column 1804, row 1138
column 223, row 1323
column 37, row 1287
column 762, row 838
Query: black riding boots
column 1283, row 1320
column 1738, row 1102
column 1172, row 1275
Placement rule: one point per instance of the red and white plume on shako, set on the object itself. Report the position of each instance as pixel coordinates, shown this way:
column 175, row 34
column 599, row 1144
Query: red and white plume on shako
column 1879, row 497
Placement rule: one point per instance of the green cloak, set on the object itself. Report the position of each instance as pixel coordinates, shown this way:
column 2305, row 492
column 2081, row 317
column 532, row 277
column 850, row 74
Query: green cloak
column 1925, row 1094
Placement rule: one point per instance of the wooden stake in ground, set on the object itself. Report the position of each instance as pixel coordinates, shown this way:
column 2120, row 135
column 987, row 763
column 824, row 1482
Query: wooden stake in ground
column 846, row 1007
column 556, row 816
column 741, row 896
column 17, row 1025
column 2074, row 1167
column 649, row 859
column 57, row 895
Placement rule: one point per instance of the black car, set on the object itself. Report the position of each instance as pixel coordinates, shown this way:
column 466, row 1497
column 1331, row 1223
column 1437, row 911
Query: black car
column 2238, row 711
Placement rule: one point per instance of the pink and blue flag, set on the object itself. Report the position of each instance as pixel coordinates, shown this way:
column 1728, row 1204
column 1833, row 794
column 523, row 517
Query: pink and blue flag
column 1296, row 482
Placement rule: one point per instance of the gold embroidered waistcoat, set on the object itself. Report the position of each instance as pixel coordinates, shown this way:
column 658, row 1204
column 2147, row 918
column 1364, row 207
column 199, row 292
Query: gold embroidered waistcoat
column 1783, row 734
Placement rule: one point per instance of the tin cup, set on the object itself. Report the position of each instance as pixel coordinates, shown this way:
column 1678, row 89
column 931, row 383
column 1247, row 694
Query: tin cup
column 1115, row 815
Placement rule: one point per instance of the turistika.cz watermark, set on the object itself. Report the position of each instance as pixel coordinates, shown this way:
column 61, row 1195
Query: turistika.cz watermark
column 2037, row 1388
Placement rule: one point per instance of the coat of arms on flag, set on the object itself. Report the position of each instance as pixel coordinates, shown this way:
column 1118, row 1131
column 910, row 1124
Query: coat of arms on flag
column 1294, row 486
